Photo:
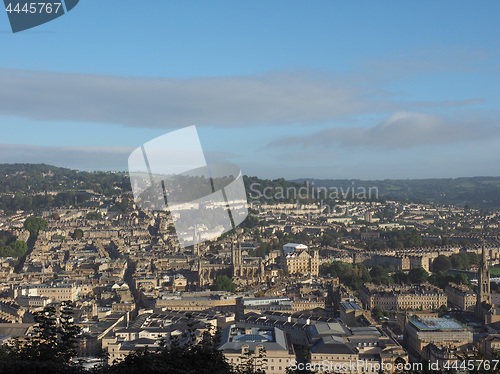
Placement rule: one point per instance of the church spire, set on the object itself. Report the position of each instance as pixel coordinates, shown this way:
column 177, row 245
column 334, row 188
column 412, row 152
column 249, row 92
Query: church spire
column 483, row 283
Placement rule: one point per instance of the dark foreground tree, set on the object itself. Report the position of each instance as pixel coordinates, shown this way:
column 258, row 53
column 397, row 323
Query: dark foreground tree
column 201, row 357
column 50, row 348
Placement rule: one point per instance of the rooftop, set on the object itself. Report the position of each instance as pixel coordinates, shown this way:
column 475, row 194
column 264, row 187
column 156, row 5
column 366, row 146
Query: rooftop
column 350, row 305
column 235, row 337
column 431, row 323
column 252, row 334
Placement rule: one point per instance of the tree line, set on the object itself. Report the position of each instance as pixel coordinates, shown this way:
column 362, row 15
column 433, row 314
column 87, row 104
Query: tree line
column 355, row 275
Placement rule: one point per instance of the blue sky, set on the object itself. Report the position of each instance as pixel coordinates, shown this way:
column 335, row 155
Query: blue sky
column 324, row 89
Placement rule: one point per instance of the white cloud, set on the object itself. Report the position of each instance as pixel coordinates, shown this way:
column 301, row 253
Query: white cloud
column 402, row 130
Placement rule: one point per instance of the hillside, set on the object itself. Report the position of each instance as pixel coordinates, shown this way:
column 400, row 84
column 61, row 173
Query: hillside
column 476, row 192
column 28, row 183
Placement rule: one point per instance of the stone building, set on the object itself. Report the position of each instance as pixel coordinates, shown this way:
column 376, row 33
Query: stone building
column 424, row 297
column 241, row 341
column 423, row 333
column 301, row 262
column 460, row 296
column 249, row 270
column 56, row 292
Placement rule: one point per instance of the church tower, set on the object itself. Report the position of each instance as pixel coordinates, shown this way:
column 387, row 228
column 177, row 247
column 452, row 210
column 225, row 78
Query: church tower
column 236, row 258
column 483, row 284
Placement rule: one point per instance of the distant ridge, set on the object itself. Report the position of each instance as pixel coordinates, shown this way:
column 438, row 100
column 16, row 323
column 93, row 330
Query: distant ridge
column 476, row 192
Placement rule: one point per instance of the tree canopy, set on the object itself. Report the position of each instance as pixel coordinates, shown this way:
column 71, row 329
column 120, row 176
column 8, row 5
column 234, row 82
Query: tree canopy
column 223, row 283
column 34, row 225
column 441, row 263
column 10, row 247
column 463, row 261
column 77, row 234
column 15, row 249
column 418, row 275
column 350, row 275
column 96, row 216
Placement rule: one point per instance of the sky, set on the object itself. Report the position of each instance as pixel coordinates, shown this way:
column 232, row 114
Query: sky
column 293, row 89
